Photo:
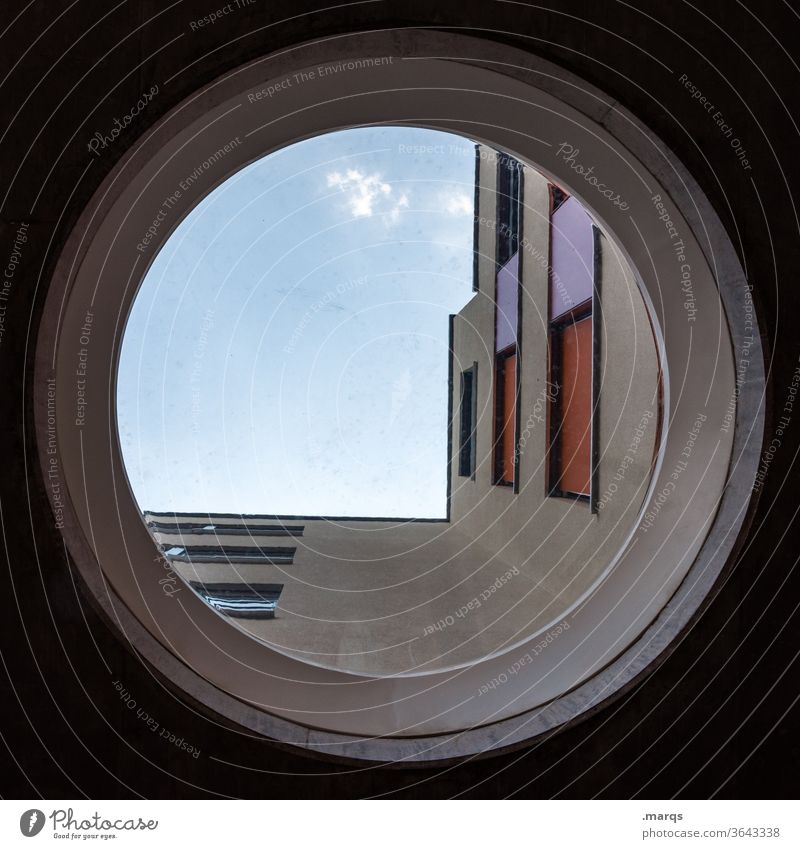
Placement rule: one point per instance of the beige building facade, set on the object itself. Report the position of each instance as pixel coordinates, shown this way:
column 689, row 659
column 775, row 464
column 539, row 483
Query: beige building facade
column 555, row 413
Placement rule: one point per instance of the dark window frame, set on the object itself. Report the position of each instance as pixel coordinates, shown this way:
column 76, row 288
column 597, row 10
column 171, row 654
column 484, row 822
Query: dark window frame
column 468, row 422
column 509, row 207
column 590, row 308
column 509, row 218
column 500, row 434
column 239, row 600
column 218, row 530
column 229, row 553
column 476, row 229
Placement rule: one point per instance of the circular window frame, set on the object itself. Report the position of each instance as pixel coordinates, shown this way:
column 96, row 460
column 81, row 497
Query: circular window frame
column 627, row 149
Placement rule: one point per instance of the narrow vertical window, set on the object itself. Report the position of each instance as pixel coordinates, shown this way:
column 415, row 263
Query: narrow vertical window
column 507, row 298
column 505, row 417
column 572, row 358
column 574, row 273
column 509, row 214
column 468, row 422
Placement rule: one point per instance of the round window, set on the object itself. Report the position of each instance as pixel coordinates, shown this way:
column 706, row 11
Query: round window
column 389, row 401
column 395, row 408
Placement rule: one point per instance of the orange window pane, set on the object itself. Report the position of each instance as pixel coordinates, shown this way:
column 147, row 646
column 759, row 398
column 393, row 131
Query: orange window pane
column 506, row 389
column 575, row 401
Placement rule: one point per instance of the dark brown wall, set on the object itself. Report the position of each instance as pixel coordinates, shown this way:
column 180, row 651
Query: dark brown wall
column 717, row 717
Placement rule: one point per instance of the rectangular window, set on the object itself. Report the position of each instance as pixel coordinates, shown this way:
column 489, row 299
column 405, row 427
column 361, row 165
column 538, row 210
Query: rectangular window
column 574, row 285
column 506, row 314
column 467, row 422
column 509, row 213
column 571, row 352
column 507, row 319
column 229, row 553
column 505, row 418
column 241, row 601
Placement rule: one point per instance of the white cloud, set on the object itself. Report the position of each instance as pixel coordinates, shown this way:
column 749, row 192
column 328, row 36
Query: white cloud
column 457, row 203
column 367, row 194
column 394, row 213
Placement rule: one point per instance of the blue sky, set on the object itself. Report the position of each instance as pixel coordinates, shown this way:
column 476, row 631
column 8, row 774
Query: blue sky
column 287, row 351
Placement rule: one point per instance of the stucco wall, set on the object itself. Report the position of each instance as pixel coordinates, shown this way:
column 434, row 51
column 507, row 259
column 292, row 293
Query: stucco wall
column 558, row 542
column 381, row 597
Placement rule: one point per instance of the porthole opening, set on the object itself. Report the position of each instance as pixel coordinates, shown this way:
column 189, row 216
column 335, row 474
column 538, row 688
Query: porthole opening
column 366, row 401
column 463, row 645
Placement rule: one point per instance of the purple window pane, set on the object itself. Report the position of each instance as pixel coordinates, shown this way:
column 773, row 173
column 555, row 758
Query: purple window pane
column 507, row 304
column 572, row 258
